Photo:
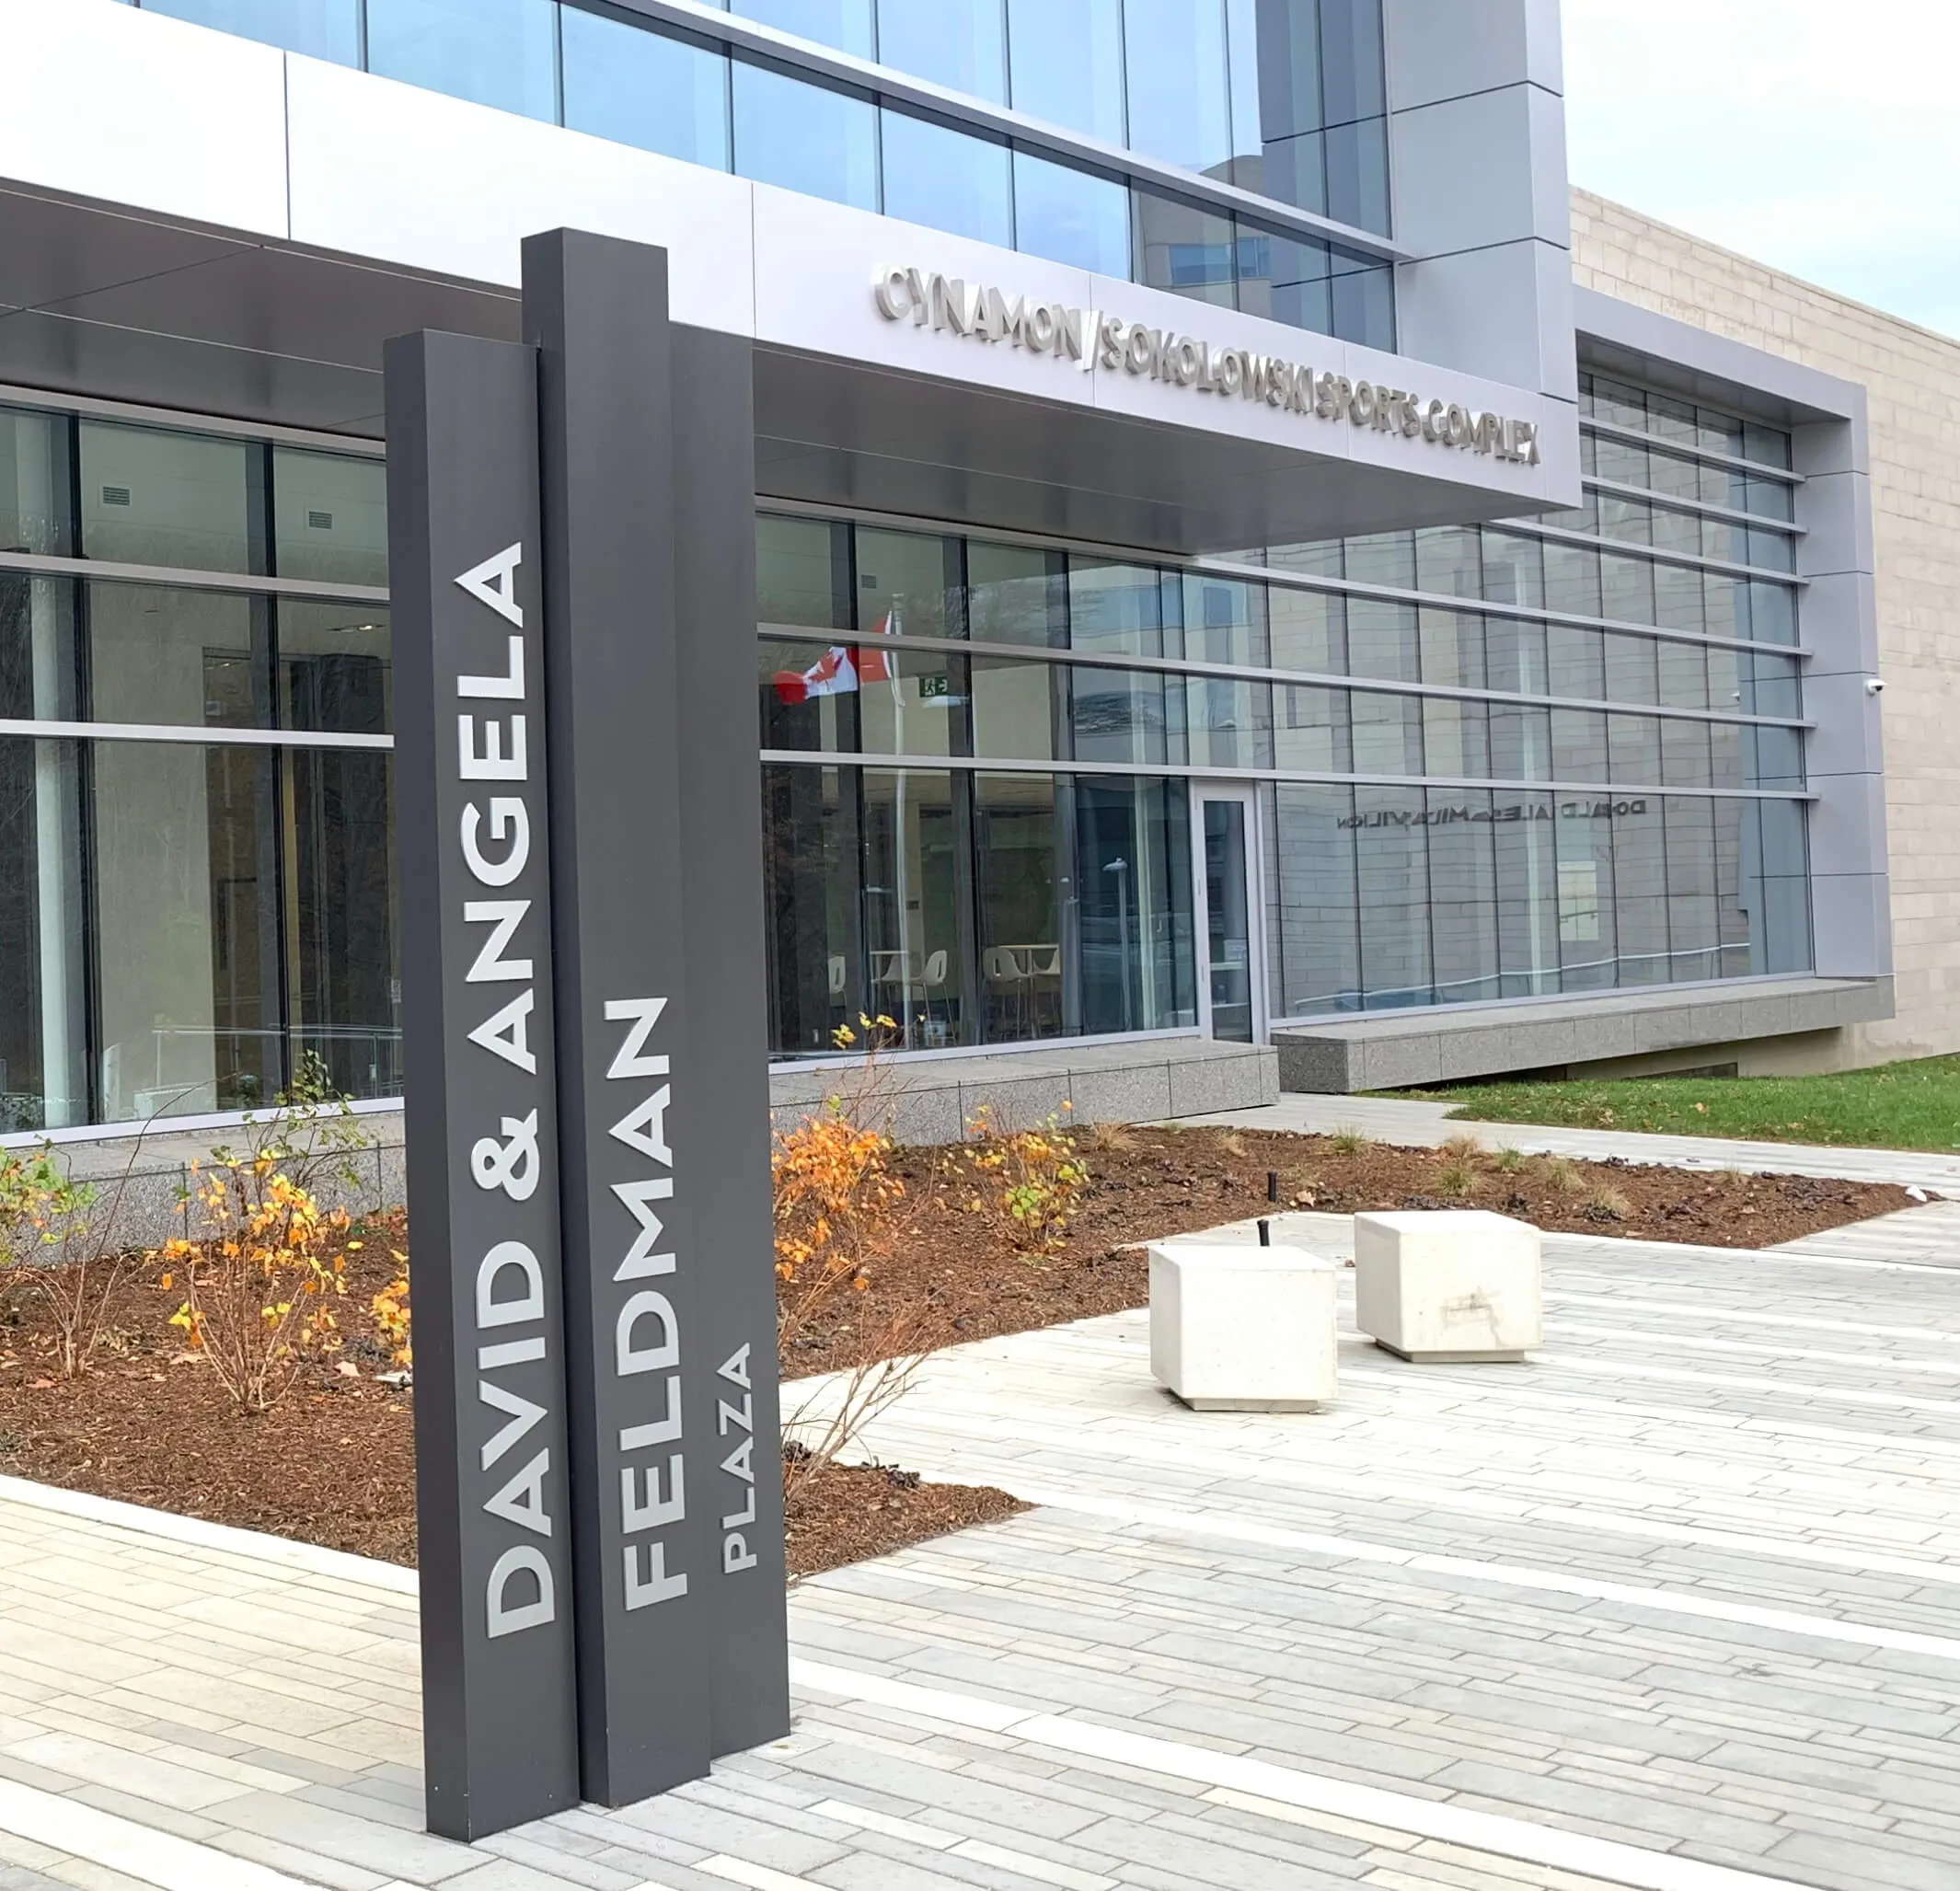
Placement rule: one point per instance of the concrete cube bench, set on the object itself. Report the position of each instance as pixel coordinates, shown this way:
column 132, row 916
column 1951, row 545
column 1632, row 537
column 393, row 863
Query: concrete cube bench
column 1237, row 1328
column 1448, row 1285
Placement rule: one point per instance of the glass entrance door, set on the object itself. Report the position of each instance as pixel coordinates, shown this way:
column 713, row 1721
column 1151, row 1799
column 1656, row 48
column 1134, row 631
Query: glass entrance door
column 1230, row 981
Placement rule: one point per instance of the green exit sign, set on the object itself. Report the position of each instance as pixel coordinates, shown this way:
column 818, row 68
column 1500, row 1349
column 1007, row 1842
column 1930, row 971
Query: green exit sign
column 935, row 689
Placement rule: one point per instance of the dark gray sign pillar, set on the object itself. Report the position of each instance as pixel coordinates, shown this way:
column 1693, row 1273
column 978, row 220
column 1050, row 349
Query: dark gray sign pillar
column 493, row 1499
column 670, row 1303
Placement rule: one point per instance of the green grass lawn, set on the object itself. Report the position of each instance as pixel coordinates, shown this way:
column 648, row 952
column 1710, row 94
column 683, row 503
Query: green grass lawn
column 1893, row 1106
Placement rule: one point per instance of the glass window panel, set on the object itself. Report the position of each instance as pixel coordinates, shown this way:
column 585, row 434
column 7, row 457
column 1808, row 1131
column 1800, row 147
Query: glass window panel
column 155, row 498
column 1308, row 630
column 1517, row 655
column 1769, row 499
column 1183, row 249
column 1310, row 729
column 1121, row 716
column 335, row 669
column 1523, row 838
column 1626, row 588
column 1584, row 517
column 1514, row 569
column 1671, row 419
column 1724, row 678
column 947, row 180
column 1319, row 558
column 1357, row 174
column 189, row 658
column 501, row 53
column 1723, row 539
column 1318, row 912
column 1456, row 738
column 1383, row 639
column 1767, row 446
column 1452, row 648
column 1572, row 579
column 915, row 860
column 1578, row 745
column 1625, row 462
column 1724, row 486
column 803, row 572
column 34, row 484
column 1462, row 896
column 808, row 695
column 1727, row 601
column 1225, row 621
column 1674, row 477
column 40, row 662
column 1364, row 303
column 187, row 937
column 320, row 29
column 803, row 136
column 1520, row 742
column 1630, row 668
column 1179, row 103
column 909, row 584
column 1717, row 433
column 1694, row 927
column 1772, row 689
column 331, row 517
column 1774, row 551
column 1684, row 754
column 1351, row 60
column 1387, row 732
column 1619, row 405
column 1132, row 876
column 1284, row 278
column 844, row 24
column 1391, row 849
column 1640, row 891
column 1772, row 616
column 812, row 904
column 1449, row 559
column 43, row 1043
column 1016, row 593
column 1014, row 709
column 911, row 702
column 344, row 968
column 1293, row 169
column 1628, row 519
column 958, row 43
column 1575, row 662
column 660, row 91
column 1065, row 58
column 1071, row 217
column 1116, row 607
column 1679, row 602
column 1023, row 850
column 1778, row 759
column 1633, row 753
column 1230, row 725
column 1683, row 675
column 1781, row 929
column 1387, row 558
column 1584, row 838
column 1725, row 742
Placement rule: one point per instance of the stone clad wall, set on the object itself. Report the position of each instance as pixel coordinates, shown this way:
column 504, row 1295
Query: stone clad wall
column 1912, row 378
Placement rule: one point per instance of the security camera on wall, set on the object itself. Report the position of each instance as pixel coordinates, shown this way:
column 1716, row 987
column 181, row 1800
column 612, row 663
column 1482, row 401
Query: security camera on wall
column 1875, row 686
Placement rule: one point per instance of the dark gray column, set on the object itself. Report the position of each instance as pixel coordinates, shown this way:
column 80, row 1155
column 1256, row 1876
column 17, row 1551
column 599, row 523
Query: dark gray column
column 492, row 1502
column 728, row 1118
column 635, row 1039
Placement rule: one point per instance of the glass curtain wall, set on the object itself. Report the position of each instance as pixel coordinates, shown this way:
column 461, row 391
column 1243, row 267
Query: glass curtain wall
column 1282, row 97
column 191, row 903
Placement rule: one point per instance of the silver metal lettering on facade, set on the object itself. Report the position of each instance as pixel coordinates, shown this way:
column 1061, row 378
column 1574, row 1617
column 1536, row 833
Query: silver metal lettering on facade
column 1092, row 340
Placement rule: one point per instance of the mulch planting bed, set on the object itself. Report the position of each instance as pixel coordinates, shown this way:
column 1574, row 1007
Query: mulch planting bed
column 334, row 1463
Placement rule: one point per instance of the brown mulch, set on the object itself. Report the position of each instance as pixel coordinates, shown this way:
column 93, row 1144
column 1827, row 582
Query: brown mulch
column 955, row 1279
column 334, row 1464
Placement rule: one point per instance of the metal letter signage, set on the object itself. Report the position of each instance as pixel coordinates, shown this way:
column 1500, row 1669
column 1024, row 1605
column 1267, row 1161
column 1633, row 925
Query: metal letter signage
column 1091, row 340
column 493, row 1496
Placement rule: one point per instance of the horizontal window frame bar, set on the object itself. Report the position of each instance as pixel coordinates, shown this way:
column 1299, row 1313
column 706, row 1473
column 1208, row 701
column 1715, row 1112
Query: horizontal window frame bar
column 751, row 37
column 143, row 1131
column 184, row 421
column 851, row 1060
column 172, row 578
column 1191, row 771
column 1696, row 508
column 196, row 734
column 1632, row 436
column 1231, row 673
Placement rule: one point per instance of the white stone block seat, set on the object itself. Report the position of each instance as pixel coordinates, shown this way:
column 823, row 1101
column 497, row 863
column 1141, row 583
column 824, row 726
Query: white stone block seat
column 1448, row 1285
column 1236, row 1327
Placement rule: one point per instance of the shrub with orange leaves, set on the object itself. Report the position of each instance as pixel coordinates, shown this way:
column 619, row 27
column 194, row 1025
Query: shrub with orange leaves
column 260, row 1280
column 391, row 1308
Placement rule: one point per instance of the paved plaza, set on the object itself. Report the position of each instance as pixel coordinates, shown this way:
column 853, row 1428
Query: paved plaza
column 1676, row 1606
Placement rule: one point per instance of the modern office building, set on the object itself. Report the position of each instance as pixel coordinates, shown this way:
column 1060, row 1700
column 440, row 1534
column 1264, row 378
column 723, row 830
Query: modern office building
column 1227, row 607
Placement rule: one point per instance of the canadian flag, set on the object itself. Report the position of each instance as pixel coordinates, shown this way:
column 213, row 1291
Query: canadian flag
column 842, row 669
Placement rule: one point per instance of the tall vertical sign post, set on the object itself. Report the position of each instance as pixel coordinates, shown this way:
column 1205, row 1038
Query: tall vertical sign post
column 641, row 940
column 493, row 1493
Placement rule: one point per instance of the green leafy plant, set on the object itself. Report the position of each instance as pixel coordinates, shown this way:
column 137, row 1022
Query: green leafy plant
column 1031, row 1179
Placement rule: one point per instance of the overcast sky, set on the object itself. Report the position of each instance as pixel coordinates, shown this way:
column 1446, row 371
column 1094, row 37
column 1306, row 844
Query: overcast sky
column 1818, row 136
